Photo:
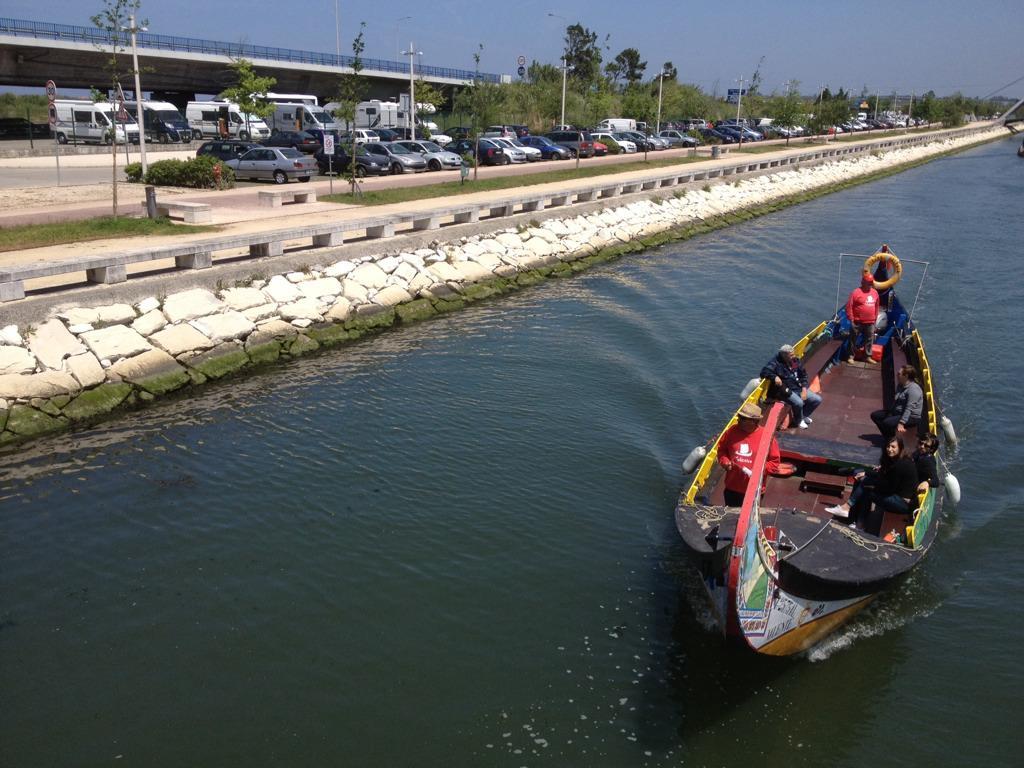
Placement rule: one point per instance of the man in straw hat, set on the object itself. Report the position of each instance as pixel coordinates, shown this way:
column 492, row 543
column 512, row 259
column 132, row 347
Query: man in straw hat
column 736, row 452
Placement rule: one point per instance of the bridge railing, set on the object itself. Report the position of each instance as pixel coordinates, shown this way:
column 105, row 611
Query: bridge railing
column 94, row 36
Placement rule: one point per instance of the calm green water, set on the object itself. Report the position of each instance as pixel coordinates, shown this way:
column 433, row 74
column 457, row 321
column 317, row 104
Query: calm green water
column 453, row 545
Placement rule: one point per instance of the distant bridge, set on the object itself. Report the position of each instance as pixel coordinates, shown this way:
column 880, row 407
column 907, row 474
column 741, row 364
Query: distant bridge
column 1013, row 115
column 178, row 68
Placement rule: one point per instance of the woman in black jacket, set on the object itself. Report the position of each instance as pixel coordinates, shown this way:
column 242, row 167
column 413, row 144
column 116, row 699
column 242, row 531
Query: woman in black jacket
column 893, row 486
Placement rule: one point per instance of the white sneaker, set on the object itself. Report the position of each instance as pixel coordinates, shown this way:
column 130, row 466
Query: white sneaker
column 808, row 419
column 838, row 511
column 803, row 424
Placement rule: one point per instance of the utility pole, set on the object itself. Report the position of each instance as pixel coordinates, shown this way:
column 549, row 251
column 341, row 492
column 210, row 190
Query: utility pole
column 661, row 83
column 411, row 53
column 739, row 103
column 132, row 29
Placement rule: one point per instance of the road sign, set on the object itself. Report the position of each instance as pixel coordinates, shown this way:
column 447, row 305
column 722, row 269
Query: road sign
column 328, row 143
column 51, row 90
column 521, row 61
column 53, row 115
column 521, row 71
column 734, row 94
column 122, row 114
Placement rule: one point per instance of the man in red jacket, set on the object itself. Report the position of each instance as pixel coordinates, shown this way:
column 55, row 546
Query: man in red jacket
column 736, row 452
column 862, row 310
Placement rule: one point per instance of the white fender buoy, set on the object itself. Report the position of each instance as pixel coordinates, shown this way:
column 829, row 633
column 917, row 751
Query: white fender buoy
column 881, row 321
column 947, row 429
column 751, row 386
column 693, row 461
column 952, row 488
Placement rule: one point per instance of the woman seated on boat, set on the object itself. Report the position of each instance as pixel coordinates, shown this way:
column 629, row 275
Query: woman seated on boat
column 924, row 461
column 736, row 452
column 906, row 407
column 785, row 383
column 892, row 486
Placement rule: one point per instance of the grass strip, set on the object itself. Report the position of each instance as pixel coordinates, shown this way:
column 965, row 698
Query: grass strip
column 453, row 188
column 37, row 235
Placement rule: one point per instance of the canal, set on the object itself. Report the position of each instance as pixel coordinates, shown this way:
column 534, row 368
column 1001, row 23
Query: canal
column 452, row 545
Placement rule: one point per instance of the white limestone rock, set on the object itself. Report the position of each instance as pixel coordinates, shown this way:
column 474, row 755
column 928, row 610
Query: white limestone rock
column 114, row 314
column 369, row 275
column 391, row 295
column 491, row 246
column 340, row 311
column 389, row 263
column 443, row 271
column 339, row 269
column 538, row 246
column 302, row 322
column 261, row 313
column 224, row 326
column 9, row 336
column 353, row 291
column 505, row 270
column 544, row 234
column 80, row 328
column 52, row 342
column 418, row 283
column 323, row 287
column 298, row 277
column 79, row 316
column 303, row 309
column 15, row 386
column 178, row 339
column 471, row 272
column 405, row 271
column 241, row 299
column 281, row 291
column 509, row 240
column 147, row 305
column 488, row 261
column 86, row 369
column 115, row 342
column 150, row 323
column 17, row 360
column 415, row 259
column 149, row 365
column 188, row 305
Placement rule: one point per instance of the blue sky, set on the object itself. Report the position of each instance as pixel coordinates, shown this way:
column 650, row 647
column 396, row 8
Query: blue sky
column 903, row 45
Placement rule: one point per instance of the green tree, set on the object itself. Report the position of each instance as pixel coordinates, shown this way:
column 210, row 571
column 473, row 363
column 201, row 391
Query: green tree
column 626, row 66
column 249, row 92
column 113, row 22
column 482, row 100
column 582, row 54
column 786, row 110
column 350, row 92
column 426, row 93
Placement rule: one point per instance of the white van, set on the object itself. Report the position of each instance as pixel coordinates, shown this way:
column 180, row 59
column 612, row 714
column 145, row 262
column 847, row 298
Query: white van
column 88, row 122
column 375, row 114
column 301, row 117
column 292, row 98
column 616, row 124
column 204, row 118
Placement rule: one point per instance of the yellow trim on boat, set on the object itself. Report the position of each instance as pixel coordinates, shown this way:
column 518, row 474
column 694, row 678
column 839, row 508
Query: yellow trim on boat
column 803, row 637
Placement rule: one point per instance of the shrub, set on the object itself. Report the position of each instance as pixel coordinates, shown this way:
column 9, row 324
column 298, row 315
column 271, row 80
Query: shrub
column 613, row 146
column 198, row 173
column 134, row 172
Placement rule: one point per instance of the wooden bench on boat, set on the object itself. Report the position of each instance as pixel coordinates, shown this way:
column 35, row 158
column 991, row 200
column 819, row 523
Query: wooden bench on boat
column 275, row 198
column 190, row 213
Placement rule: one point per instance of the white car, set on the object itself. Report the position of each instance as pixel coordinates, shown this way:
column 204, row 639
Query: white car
column 441, row 139
column 512, row 152
column 532, row 153
column 626, row 145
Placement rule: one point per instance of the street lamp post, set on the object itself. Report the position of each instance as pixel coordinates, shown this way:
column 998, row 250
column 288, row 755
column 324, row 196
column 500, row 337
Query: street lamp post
column 337, row 32
column 739, row 103
column 661, row 83
column 565, row 67
column 412, row 53
column 132, row 29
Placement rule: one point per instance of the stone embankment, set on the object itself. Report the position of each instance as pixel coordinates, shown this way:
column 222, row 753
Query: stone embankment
column 85, row 362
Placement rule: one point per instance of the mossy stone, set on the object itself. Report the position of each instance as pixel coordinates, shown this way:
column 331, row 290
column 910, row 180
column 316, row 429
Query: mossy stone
column 97, row 401
column 60, row 400
column 3, row 418
column 448, row 305
column 382, row 319
column 196, row 377
column 26, row 421
column 268, row 352
column 415, row 311
column 49, row 407
column 220, row 361
column 302, row 344
column 478, row 291
column 145, row 396
column 329, row 334
column 561, row 269
column 8, row 437
column 532, row 277
column 163, row 383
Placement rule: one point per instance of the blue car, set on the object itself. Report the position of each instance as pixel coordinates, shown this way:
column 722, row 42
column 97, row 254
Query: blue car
column 548, row 149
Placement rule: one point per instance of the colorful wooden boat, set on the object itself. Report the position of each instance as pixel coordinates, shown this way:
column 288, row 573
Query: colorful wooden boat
column 781, row 572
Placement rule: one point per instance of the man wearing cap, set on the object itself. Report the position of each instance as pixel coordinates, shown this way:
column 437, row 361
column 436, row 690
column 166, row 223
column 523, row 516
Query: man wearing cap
column 736, row 452
column 862, row 311
column 785, row 383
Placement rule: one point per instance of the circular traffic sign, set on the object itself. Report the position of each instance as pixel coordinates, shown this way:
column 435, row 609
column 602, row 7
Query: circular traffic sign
column 51, row 90
column 521, row 61
column 521, row 71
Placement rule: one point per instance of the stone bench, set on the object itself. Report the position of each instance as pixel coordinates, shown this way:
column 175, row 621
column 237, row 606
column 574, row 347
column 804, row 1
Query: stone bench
column 275, row 198
column 191, row 213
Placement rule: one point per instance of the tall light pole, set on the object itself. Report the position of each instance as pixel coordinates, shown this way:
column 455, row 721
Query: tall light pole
column 337, row 32
column 739, row 103
column 132, row 30
column 661, row 83
column 565, row 66
column 412, row 53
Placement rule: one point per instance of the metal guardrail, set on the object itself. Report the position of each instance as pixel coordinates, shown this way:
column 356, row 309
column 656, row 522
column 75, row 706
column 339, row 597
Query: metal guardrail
column 147, row 40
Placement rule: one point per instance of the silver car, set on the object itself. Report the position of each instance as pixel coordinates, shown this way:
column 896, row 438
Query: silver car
column 513, row 154
column 437, row 158
column 278, row 163
column 395, row 157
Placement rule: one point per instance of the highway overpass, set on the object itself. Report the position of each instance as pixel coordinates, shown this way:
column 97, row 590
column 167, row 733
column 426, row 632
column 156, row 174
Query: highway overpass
column 179, row 68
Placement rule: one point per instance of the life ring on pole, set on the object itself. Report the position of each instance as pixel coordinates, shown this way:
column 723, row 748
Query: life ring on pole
column 894, row 267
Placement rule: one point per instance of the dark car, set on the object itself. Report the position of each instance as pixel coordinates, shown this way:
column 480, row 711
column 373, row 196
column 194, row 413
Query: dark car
column 489, row 154
column 225, row 149
column 712, row 134
column 300, row 140
column 366, row 164
column 521, row 130
column 20, row 128
column 642, row 141
column 548, row 149
column 577, row 142
column 389, row 134
column 458, row 132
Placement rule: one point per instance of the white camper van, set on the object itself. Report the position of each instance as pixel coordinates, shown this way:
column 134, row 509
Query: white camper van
column 375, row 114
column 162, row 122
column 88, row 122
column 292, row 98
column 301, row 117
column 204, row 118
column 615, row 124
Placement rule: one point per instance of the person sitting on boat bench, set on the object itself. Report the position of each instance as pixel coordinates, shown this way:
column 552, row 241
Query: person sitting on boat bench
column 906, row 407
column 736, row 453
column 892, row 485
column 862, row 311
column 789, row 384
column 924, row 461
